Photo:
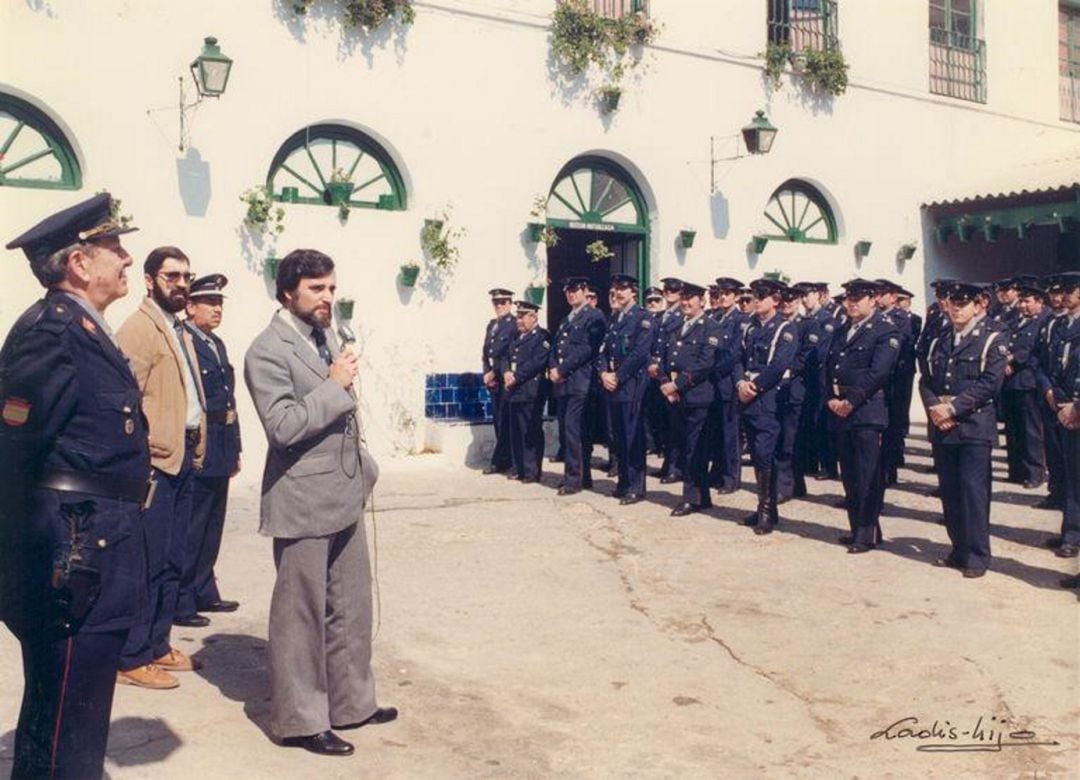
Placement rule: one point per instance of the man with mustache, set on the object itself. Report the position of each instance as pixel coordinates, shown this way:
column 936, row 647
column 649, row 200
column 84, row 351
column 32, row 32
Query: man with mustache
column 163, row 359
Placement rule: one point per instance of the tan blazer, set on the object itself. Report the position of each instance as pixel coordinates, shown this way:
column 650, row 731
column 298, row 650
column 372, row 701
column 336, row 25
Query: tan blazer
column 147, row 343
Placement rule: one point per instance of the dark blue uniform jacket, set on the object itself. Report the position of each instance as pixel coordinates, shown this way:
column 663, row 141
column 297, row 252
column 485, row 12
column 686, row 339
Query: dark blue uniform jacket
column 689, row 360
column 858, row 370
column 528, row 358
column 577, row 342
column 222, row 437
column 625, row 351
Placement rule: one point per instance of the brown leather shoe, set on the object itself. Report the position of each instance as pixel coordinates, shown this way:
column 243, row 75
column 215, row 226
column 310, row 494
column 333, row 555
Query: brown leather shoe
column 148, row 676
column 176, row 661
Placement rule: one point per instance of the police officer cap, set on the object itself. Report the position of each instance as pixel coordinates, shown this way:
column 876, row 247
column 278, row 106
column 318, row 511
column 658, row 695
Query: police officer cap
column 206, row 286
column 620, row 281
column 590, row 289
column 964, row 291
column 654, row 294
column 941, row 285
column 1069, row 280
column 86, row 221
column 887, row 286
column 1032, row 291
column 575, row 282
column 745, row 292
column 714, row 290
column 727, row 284
column 500, row 294
column 689, row 290
column 523, row 306
column 859, row 288
column 671, row 284
column 792, row 293
column 904, row 293
column 802, row 288
column 765, row 286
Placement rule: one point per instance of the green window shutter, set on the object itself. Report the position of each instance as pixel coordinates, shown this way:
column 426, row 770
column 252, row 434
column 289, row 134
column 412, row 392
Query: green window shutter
column 34, row 152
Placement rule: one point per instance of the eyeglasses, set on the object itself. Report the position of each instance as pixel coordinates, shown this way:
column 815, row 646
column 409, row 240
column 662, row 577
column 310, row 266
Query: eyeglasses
column 172, row 277
column 960, row 300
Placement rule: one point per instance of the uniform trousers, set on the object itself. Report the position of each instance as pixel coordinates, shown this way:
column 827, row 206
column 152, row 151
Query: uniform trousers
column 826, row 443
column 198, row 587
column 67, row 700
column 320, row 633
column 501, row 458
column 1024, row 435
column 165, row 532
column 1054, row 446
column 656, row 416
column 675, row 437
column 527, row 437
column 1070, row 523
column 862, row 472
column 694, row 422
column 726, row 470
column 964, row 474
column 762, row 435
column 577, row 440
column 892, row 438
column 790, row 415
column 628, row 432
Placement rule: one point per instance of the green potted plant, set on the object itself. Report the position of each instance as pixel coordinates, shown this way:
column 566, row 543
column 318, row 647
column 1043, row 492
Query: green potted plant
column 825, row 71
column 409, row 272
column 534, row 293
column 539, row 230
column 343, row 308
column 609, row 98
column 262, row 216
column 776, row 56
column 906, row 252
column 599, row 251
column 438, row 239
column 366, row 14
column 270, row 267
column 862, row 248
column 757, row 243
column 686, row 237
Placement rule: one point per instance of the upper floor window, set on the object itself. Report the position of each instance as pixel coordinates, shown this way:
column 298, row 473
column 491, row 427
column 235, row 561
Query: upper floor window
column 1069, row 61
column 804, row 24
column 34, row 152
column 617, row 9
column 957, row 54
column 800, row 213
column 313, row 159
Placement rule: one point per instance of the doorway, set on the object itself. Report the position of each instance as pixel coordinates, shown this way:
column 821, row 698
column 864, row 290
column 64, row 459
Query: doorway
column 570, row 258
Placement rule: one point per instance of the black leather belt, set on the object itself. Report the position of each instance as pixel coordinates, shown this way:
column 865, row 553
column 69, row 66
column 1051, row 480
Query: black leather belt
column 225, row 417
column 191, row 437
column 133, row 490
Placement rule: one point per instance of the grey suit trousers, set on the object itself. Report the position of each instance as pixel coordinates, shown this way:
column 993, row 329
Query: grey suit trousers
column 320, row 633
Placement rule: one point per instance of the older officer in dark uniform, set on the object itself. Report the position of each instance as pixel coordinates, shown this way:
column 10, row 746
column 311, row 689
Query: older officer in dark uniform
column 621, row 366
column 725, row 472
column 897, row 396
column 1066, row 394
column 655, row 405
column 1019, row 396
column 501, row 332
column 688, row 360
column 861, row 361
column 962, row 375
column 768, row 351
column 210, row 496
column 790, row 458
column 570, row 369
column 75, row 460
column 1045, row 348
column 526, row 392
column 667, row 324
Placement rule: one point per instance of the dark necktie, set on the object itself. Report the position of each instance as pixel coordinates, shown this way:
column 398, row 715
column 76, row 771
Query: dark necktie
column 179, row 328
column 320, row 344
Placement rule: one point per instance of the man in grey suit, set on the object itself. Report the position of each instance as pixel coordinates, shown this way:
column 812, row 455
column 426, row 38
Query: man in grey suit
column 317, row 478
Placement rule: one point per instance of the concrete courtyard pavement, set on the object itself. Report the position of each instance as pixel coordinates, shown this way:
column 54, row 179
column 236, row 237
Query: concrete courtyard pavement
column 526, row 635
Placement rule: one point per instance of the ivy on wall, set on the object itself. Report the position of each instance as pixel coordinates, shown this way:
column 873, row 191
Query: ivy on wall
column 368, row 14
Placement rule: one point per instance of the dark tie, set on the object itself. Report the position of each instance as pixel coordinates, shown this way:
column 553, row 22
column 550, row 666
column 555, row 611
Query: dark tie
column 320, row 344
column 179, row 327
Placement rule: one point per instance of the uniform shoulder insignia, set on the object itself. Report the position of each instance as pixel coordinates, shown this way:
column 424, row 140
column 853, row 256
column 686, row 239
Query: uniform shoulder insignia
column 16, row 411
column 894, row 343
column 788, row 336
column 813, row 338
column 546, row 344
column 830, row 327
column 646, row 323
column 713, row 340
column 89, row 325
column 1003, row 349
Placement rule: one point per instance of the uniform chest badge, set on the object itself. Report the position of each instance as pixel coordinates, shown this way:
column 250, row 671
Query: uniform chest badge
column 129, row 426
column 788, row 337
column 713, row 341
column 646, row 323
column 894, row 343
column 812, row 338
column 829, row 328
column 16, row 411
column 89, row 325
column 1003, row 349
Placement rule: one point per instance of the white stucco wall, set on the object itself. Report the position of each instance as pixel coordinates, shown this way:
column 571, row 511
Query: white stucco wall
column 466, row 105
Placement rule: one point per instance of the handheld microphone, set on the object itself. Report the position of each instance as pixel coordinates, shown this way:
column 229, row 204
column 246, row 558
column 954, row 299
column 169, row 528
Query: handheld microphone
column 345, row 333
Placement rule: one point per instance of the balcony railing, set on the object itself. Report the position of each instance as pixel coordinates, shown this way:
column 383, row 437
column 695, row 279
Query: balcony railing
column 804, row 24
column 617, row 9
column 1070, row 97
column 957, row 65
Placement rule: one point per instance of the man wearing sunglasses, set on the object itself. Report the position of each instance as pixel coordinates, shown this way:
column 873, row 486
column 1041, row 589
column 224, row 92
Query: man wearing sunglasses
column 162, row 356
column 962, row 376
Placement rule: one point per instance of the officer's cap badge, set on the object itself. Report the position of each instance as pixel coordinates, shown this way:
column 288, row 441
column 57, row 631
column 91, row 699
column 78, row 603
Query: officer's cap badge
column 16, row 411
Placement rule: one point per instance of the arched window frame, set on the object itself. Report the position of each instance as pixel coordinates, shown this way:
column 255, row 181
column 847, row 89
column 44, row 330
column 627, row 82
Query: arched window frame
column 396, row 200
column 598, row 220
column 56, row 144
column 795, row 230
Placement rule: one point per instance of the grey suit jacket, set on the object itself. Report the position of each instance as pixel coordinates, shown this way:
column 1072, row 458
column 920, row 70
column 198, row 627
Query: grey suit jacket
column 318, row 474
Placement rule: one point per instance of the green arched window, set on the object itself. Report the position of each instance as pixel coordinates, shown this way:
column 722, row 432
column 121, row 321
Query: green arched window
column 314, row 158
column 34, row 152
column 594, row 194
column 800, row 213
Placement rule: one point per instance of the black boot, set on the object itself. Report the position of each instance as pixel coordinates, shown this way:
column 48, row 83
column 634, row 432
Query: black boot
column 762, row 485
column 767, row 514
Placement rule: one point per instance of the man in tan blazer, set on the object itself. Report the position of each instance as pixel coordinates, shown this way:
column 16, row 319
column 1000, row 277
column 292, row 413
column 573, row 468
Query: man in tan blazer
column 162, row 357
column 316, row 480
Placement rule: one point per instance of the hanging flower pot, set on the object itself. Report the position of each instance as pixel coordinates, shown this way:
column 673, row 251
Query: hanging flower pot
column 290, row 194
column 343, row 308
column 409, row 272
column 609, row 99
column 686, row 238
column 270, row 267
column 536, row 231
column 534, row 294
column 339, row 192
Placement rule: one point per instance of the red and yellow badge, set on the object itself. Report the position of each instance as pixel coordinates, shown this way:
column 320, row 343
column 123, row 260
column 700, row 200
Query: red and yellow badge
column 89, row 324
column 16, row 411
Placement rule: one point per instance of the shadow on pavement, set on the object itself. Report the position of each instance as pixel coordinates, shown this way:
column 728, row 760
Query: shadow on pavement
column 236, row 664
column 135, row 741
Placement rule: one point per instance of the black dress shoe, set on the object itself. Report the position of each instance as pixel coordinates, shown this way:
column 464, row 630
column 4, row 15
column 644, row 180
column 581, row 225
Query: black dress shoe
column 616, row 493
column 381, row 715
column 683, row 509
column 1053, row 542
column 726, row 490
column 946, row 563
column 631, row 498
column 1031, row 484
column 493, row 470
column 194, row 620
column 973, row 573
column 749, row 519
column 1067, row 551
column 670, row 479
column 325, row 744
column 761, row 529
column 220, row 606
column 856, row 549
column 1050, row 503
column 567, row 490
column 846, row 539
column 528, row 480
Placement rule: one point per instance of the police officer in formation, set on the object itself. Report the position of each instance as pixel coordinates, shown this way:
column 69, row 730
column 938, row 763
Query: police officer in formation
column 666, row 324
column 1025, row 446
column 899, row 388
column 724, row 451
column 526, row 388
column 501, row 332
column 656, row 411
column 790, row 475
column 1046, row 343
column 75, row 455
column 570, row 370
